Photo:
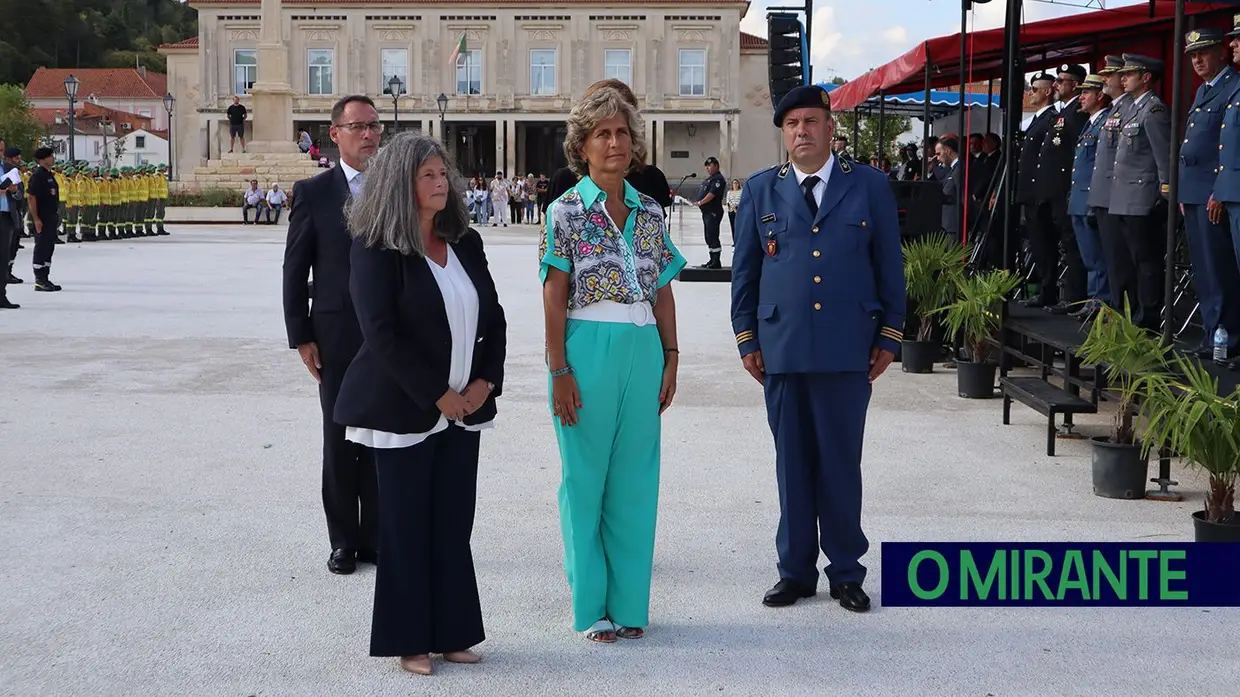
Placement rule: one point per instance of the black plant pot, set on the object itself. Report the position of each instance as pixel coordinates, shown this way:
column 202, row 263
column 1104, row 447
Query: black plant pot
column 1119, row 469
column 1205, row 531
column 976, row 380
column 918, row 356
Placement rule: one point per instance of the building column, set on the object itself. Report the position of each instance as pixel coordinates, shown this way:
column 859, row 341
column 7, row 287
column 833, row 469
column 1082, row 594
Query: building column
column 499, row 147
column 510, row 148
column 725, row 146
column 661, row 144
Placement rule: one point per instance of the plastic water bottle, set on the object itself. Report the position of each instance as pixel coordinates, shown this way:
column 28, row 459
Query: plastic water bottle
column 1220, row 345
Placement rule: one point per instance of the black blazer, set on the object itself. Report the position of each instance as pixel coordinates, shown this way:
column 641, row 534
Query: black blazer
column 318, row 239
column 402, row 368
column 1030, row 152
column 951, row 201
column 1057, row 152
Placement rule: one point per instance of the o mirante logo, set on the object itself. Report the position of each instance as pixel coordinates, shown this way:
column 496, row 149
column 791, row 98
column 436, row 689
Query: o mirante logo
column 1059, row 573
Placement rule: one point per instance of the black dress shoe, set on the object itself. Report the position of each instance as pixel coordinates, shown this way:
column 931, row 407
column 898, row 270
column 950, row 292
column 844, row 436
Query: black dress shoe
column 368, row 556
column 342, row 561
column 1033, row 303
column 1063, row 308
column 851, row 596
column 785, row 593
column 6, row 304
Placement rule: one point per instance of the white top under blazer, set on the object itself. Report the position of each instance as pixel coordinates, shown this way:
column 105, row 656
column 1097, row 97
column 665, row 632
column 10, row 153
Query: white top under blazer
column 460, row 301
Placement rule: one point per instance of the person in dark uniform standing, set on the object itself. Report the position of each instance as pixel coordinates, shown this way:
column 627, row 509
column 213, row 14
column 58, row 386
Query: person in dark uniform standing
column 1216, row 278
column 10, row 222
column 818, row 303
column 1096, row 105
column 1138, row 188
column 327, row 335
column 1099, row 198
column 710, row 202
column 43, row 197
column 1224, row 203
column 1055, row 182
column 1038, row 213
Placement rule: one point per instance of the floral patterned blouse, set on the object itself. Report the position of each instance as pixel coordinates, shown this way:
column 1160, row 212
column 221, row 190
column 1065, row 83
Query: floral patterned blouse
column 602, row 262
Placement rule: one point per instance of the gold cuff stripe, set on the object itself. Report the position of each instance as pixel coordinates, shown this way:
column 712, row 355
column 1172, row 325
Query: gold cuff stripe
column 893, row 334
column 744, row 336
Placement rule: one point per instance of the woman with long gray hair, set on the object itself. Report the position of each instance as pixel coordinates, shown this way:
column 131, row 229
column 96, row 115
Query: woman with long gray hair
column 418, row 393
column 606, row 265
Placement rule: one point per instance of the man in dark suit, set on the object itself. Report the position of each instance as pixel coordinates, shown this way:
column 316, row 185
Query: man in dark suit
column 327, row 334
column 1037, row 213
column 947, row 152
column 1055, row 183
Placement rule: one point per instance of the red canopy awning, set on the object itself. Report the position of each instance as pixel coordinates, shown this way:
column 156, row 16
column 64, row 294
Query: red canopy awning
column 1081, row 38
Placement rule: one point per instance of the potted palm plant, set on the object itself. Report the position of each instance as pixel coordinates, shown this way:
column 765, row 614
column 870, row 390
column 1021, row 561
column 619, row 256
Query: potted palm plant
column 1129, row 355
column 974, row 317
column 933, row 267
column 1185, row 412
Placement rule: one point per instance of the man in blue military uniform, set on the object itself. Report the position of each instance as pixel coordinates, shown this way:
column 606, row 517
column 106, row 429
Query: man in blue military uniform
column 1225, row 201
column 1215, row 276
column 1095, row 105
column 818, row 304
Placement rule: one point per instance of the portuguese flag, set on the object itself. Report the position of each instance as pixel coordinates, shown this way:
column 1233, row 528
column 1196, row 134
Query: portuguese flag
column 457, row 51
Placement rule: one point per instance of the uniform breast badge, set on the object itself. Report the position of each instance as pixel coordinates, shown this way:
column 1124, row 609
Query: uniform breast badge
column 771, row 247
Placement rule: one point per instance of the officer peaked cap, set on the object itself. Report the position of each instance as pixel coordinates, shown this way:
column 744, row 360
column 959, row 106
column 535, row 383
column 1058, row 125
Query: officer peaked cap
column 1113, row 63
column 803, row 96
column 1198, row 39
column 1135, row 62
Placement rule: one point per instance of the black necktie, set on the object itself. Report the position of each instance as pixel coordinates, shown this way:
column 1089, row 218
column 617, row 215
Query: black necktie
column 811, row 200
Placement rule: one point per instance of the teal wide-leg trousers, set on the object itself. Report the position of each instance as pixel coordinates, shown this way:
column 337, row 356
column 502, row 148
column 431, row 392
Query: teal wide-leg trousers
column 609, row 486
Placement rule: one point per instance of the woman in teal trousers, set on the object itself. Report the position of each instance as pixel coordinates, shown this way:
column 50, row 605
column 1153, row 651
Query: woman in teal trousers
column 606, row 266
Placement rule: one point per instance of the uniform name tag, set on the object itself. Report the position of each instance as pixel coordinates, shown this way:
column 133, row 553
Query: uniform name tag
column 768, row 218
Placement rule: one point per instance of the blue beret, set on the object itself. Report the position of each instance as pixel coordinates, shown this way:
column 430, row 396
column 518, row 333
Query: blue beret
column 803, row 96
column 12, row 152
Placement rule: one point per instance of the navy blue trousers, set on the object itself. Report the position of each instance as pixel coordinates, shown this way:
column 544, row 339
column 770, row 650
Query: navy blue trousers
column 818, row 421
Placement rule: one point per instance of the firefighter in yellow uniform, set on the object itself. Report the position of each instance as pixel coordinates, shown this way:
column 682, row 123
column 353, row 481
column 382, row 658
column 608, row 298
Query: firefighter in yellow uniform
column 90, row 204
column 68, row 201
column 104, row 183
column 127, row 198
column 161, row 198
column 146, row 189
column 114, row 204
column 58, row 173
column 151, row 191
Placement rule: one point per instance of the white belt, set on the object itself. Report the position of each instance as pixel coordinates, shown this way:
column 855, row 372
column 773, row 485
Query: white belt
column 640, row 314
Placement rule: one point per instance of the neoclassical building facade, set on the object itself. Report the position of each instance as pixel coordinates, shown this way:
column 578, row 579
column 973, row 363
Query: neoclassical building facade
column 508, row 72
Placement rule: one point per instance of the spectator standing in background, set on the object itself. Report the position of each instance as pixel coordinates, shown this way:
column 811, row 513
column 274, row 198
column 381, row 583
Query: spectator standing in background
column 236, row 124
column 732, row 202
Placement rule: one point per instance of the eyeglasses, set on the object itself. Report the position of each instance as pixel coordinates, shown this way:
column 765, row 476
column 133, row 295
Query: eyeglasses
column 359, row 126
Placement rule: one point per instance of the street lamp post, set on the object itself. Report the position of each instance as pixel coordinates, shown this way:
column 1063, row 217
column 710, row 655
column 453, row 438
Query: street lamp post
column 71, row 88
column 442, row 101
column 396, row 87
column 169, row 101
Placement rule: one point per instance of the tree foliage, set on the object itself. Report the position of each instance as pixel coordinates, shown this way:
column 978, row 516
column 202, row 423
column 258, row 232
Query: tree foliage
column 88, row 34
column 18, row 125
column 866, row 144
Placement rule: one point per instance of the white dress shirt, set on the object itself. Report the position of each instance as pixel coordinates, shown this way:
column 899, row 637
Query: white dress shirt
column 276, row 197
column 460, row 301
column 350, row 175
column 823, row 175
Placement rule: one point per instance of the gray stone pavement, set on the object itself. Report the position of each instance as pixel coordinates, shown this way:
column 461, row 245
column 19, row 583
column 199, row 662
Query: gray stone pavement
column 162, row 530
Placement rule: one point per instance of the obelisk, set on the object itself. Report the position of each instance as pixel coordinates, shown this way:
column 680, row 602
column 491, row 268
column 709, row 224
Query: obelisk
column 272, row 95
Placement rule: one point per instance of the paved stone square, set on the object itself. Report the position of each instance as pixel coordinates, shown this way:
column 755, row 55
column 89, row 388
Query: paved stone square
column 163, row 534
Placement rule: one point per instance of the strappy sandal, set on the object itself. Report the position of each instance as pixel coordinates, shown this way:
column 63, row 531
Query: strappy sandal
column 630, row 632
column 603, row 632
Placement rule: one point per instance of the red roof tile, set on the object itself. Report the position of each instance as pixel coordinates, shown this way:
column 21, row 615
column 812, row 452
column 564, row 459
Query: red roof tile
column 754, row 43
column 191, row 42
column 105, row 83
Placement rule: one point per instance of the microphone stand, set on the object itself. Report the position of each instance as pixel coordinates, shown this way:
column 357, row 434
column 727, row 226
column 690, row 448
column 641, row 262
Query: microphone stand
column 675, row 193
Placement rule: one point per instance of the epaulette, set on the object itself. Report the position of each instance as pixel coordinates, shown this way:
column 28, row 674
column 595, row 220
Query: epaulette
column 1157, row 108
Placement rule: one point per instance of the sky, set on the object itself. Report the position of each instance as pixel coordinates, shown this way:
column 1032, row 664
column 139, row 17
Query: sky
column 853, row 36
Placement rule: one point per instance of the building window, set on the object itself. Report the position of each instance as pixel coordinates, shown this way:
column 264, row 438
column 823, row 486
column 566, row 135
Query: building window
column 320, row 62
column 618, row 64
column 245, row 70
column 139, row 142
column 693, row 72
column 542, row 71
column 469, row 72
column 394, row 62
